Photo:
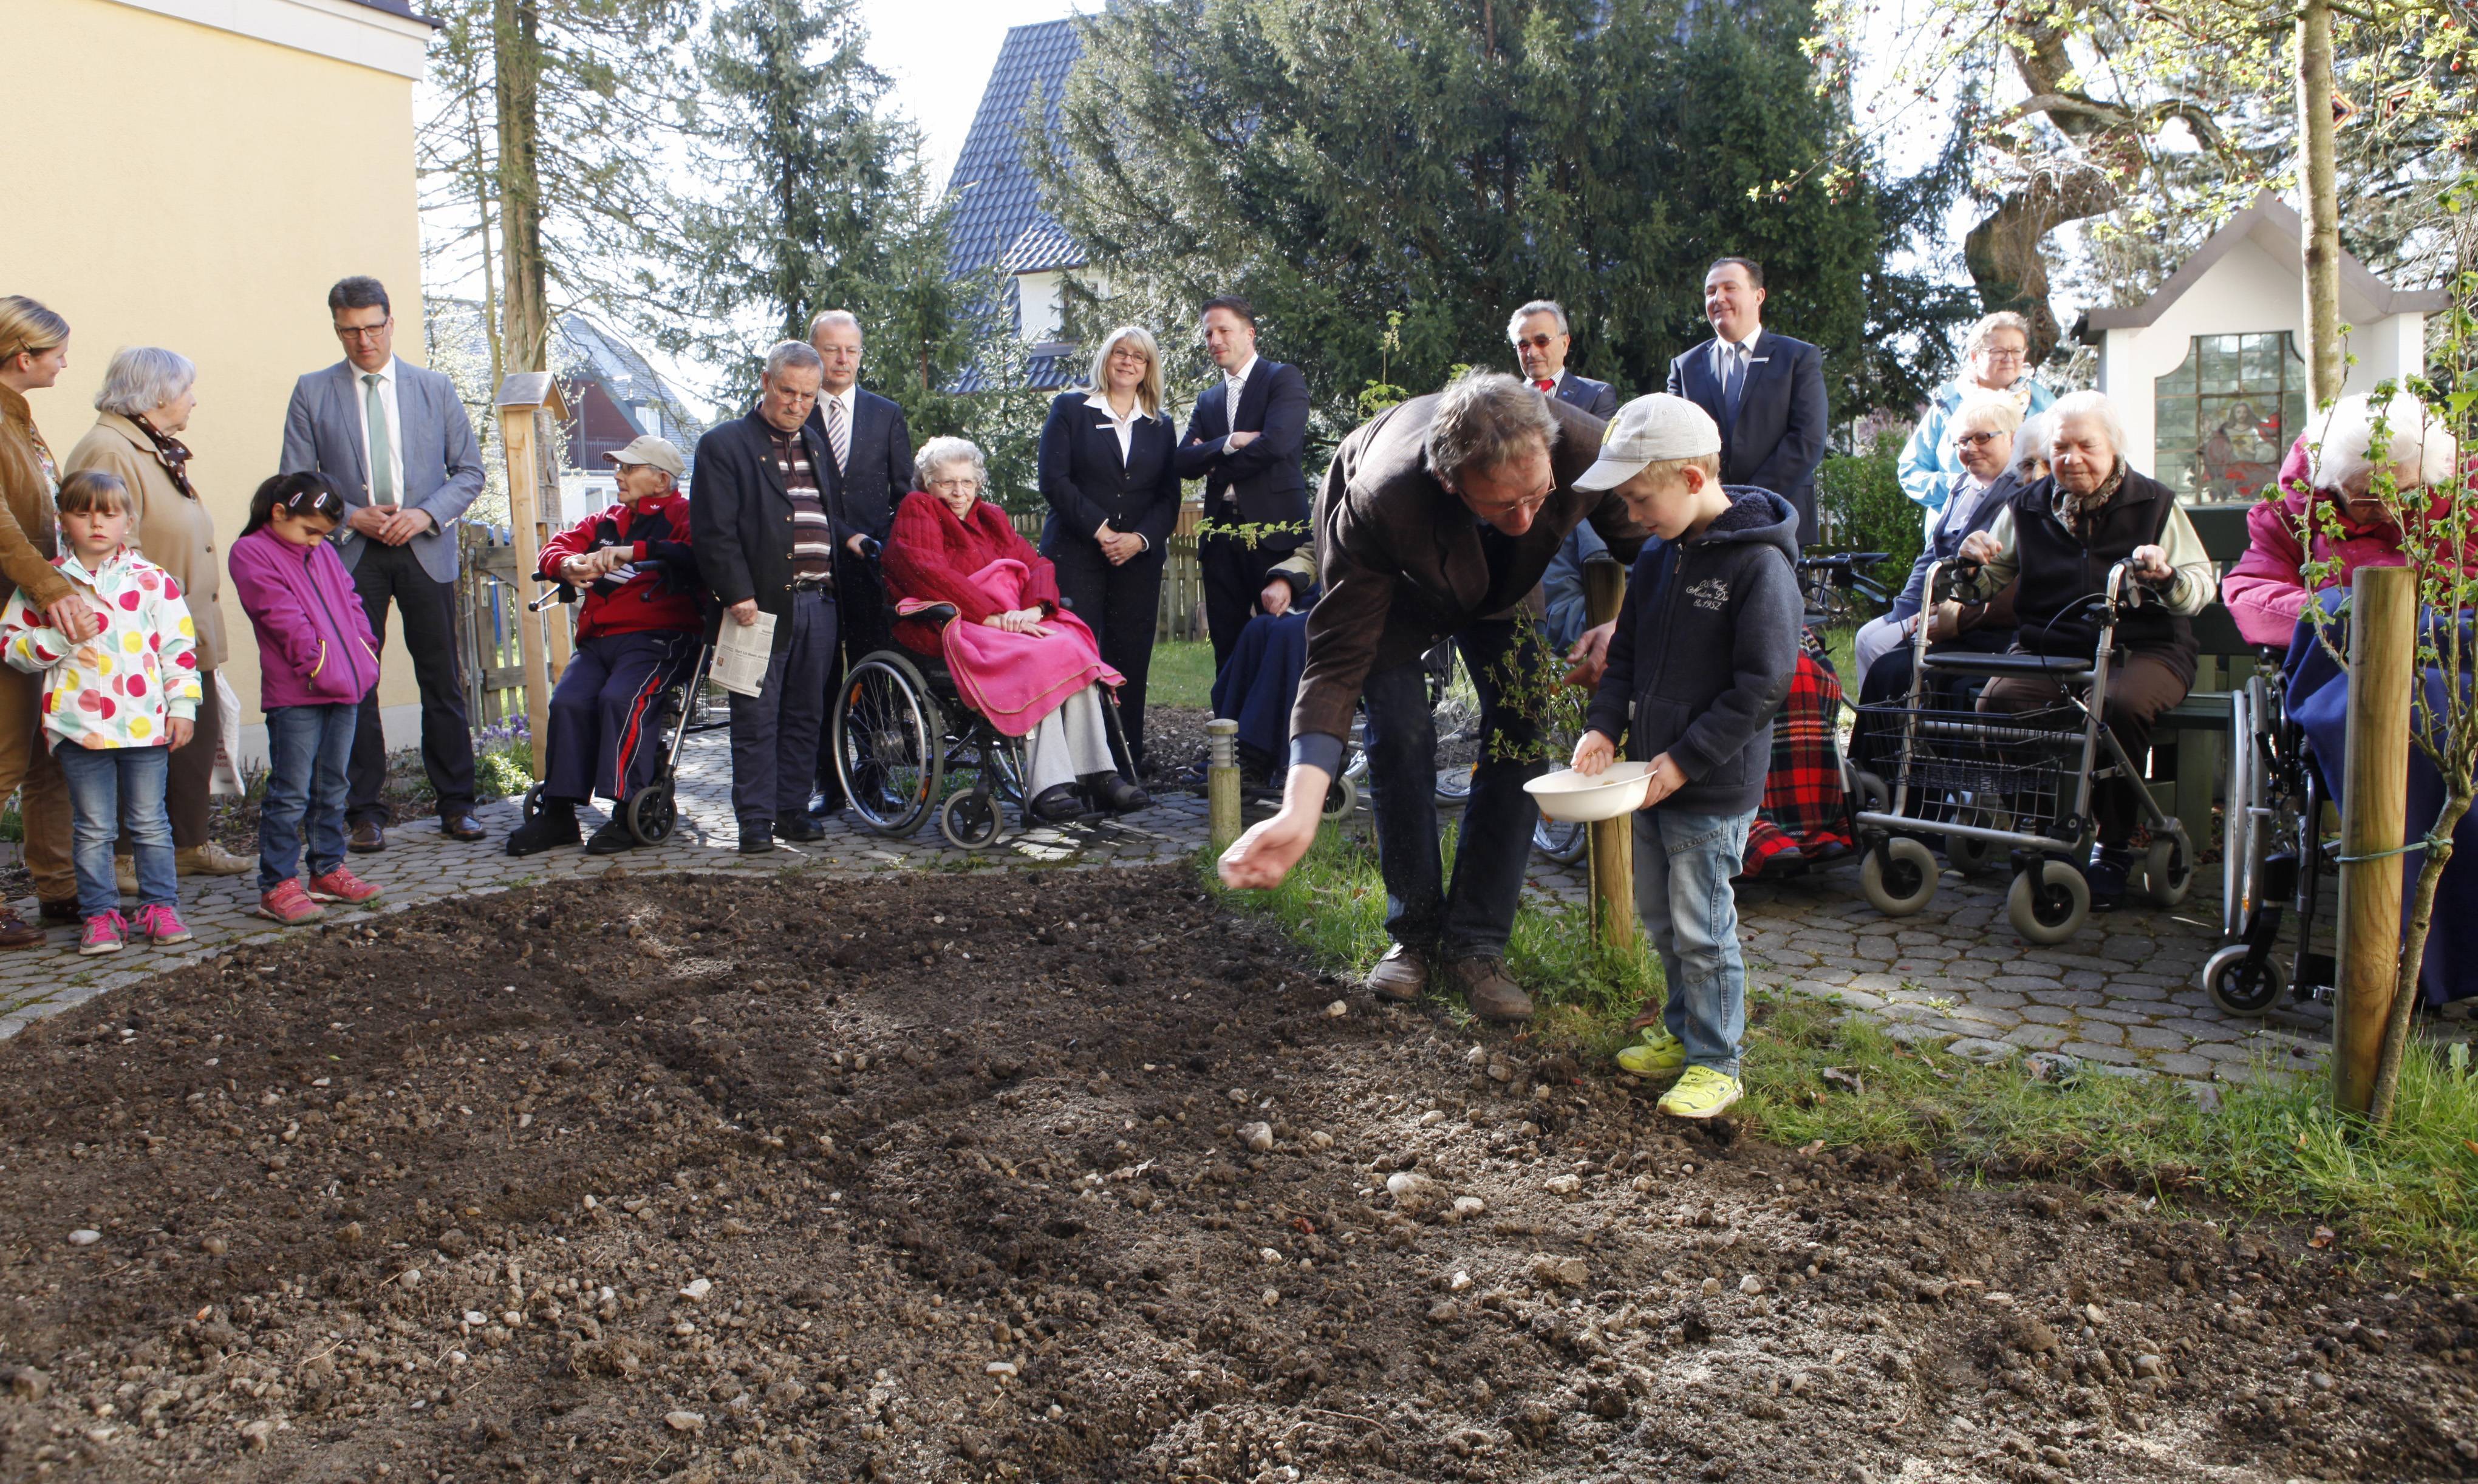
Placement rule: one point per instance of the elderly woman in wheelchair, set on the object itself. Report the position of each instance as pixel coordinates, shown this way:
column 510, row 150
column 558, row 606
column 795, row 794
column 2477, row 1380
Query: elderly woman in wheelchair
column 970, row 591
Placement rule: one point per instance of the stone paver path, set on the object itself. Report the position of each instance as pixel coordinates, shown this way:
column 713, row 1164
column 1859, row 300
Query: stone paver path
column 2120, row 995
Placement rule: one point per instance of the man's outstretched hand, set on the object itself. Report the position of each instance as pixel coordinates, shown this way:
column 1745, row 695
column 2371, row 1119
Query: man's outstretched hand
column 1259, row 859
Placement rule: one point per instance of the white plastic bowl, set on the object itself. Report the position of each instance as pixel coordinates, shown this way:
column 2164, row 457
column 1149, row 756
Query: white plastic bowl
column 1569, row 795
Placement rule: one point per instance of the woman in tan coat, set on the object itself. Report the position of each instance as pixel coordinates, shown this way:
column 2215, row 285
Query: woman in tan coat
column 147, row 396
column 33, row 351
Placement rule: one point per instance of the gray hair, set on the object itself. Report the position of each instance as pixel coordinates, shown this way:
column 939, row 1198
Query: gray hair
column 834, row 317
column 2030, row 446
column 1549, row 307
column 2344, row 451
column 1484, row 418
column 2088, row 404
column 1988, row 325
column 939, row 452
column 142, row 378
column 1997, row 415
column 794, row 355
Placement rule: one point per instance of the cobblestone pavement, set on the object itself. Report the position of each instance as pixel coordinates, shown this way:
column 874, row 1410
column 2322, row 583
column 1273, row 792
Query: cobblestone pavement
column 2120, row 995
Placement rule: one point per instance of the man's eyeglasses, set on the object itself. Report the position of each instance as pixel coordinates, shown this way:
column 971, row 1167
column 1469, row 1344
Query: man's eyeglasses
column 1536, row 341
column 364, row 333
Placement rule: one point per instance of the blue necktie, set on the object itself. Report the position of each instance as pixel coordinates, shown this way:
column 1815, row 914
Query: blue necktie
column 1734, row 386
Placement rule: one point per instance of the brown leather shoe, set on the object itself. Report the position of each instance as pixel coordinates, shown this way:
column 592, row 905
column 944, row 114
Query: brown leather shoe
column 1486, row 989
column 17, row 933
column 58, row 909
column 1400, row 974
column 367, row 839
column 460, row 824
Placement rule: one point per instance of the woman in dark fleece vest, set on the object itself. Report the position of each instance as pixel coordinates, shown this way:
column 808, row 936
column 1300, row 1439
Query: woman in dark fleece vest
column 2060, row 536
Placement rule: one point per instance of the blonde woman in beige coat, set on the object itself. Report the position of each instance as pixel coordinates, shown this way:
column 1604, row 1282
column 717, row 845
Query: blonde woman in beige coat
column 147, row 396
column 33, row 351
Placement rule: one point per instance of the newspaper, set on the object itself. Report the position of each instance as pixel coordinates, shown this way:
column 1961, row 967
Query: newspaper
column 740, row 652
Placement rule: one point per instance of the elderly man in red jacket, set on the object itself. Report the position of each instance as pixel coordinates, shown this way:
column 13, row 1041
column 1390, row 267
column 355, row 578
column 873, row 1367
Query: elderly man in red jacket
column 636, row 636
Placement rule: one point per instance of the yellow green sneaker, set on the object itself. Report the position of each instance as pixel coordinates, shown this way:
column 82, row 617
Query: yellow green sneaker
column 1659, row 1057
column 1701, row 1093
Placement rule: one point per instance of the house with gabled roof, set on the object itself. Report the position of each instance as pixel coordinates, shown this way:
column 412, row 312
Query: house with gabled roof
column 996, row 222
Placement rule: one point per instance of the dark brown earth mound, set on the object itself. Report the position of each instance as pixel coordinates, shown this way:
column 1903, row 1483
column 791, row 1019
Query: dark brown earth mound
column 1058, row 1176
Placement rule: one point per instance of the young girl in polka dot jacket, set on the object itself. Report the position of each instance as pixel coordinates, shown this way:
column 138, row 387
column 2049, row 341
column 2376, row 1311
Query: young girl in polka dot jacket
column 118, row 696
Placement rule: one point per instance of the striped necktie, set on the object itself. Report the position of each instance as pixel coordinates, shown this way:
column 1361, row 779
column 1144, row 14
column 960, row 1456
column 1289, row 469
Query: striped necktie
column 837, row 437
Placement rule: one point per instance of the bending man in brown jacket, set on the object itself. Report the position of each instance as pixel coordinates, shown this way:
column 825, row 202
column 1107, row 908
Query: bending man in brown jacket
column 33, row 351
column 1436, row 520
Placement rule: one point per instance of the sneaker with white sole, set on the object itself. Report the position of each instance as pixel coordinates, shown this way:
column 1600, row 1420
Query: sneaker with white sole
column 1701, row 1093
column 161, row 925
column 342, row 886
column 286, row 903
column 1658, row 1057
column 106, row 932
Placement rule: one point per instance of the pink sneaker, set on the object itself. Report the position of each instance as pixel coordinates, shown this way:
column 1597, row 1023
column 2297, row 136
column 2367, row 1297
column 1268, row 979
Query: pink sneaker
column 161, row 925
column 342, row 886
column 106, row 932
column 289, row 904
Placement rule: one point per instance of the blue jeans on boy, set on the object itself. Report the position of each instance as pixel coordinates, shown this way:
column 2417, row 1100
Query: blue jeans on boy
column 1684, row 863
column 112, row 791
column 309, row 749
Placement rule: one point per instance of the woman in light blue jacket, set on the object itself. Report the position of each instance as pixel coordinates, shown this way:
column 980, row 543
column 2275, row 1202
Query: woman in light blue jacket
column 1996, row 361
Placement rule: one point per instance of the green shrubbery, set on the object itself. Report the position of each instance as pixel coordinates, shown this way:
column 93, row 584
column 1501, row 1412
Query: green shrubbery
column 1859, row 498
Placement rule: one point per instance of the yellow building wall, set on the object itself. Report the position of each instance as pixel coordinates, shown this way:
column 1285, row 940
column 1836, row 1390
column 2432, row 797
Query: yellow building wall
column 174, row 185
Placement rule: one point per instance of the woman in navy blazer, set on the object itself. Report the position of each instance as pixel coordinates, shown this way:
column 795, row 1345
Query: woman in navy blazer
column 1113, row 494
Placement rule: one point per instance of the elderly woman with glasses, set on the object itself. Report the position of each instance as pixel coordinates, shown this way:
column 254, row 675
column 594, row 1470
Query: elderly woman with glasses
column 1996, row 363
column 144, row 405
column 1981, row 434
column 1030, row 669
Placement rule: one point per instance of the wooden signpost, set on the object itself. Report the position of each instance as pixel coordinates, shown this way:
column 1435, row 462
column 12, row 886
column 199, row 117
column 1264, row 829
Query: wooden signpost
column 530, row 406
column 1612, row 840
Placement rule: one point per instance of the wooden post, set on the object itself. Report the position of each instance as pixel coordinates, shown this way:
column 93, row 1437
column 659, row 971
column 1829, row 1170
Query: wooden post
column 1222, row 782
column 558, row 621
column 1612, row 840
column 520, row 397
column 2383, row 657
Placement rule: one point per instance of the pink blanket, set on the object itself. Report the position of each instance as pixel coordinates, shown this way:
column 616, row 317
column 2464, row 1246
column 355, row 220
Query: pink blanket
column 1017, row 679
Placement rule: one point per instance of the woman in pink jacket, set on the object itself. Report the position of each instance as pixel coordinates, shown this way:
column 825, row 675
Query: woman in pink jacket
column 2329, row 473
column 317, row 659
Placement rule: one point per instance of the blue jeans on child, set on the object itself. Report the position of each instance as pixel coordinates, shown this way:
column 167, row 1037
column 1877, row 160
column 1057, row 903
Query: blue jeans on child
column 1682, row 866
column 114, row 791
column 309, row 751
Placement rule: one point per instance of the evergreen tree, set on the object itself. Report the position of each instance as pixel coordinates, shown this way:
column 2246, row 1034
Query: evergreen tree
column 1345, row 160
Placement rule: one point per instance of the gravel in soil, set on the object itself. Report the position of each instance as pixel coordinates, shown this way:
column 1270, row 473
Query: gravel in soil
column 1060, row 1176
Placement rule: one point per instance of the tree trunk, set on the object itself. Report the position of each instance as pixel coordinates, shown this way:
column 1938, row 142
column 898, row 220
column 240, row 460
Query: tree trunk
column 517, row 50
column 2324, row 371
column 2405, row 989
column 2003, row 255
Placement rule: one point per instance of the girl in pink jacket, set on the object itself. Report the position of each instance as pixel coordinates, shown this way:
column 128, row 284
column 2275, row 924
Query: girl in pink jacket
column 317, row 659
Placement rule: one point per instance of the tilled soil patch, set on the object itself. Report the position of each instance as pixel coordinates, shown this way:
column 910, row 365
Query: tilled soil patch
column 1060, row 1176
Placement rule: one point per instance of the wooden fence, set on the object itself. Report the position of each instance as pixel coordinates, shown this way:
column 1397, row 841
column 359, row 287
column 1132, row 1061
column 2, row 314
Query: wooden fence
column 1182, row 599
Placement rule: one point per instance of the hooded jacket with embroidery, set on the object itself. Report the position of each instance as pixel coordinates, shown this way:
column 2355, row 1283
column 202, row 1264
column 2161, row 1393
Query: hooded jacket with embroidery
column 1703, row 651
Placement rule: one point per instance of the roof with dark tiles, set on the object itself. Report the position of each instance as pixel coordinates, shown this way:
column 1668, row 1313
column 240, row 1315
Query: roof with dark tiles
column 997, row 219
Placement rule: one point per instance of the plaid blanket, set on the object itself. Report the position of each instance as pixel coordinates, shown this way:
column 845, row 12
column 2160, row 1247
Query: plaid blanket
column 1804, row 817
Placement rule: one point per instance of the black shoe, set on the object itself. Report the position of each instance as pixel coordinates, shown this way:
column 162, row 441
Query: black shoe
column 610, row 839
column 57, row 909
column 1057, row 804
column 756, row 837
column 459, row 823
column 799, row 828
column 367, row 839
column 554, row 826
column 1114, row 794
column 2104, row 875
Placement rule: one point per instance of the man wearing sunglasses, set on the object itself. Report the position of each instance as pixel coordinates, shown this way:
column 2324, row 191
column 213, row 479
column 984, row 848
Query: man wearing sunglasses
column 1539, row 329
column 394, row 439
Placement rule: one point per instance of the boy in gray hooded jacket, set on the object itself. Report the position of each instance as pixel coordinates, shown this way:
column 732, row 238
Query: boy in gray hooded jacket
column 1701, row 661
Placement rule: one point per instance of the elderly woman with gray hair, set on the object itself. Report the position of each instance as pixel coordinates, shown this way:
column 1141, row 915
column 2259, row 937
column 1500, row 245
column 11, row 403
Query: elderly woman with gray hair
column 147, row 396
column 973, row 593
column 2054, row 542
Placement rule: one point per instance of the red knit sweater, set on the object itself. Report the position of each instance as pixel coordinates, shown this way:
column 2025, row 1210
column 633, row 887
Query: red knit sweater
column 933, row 556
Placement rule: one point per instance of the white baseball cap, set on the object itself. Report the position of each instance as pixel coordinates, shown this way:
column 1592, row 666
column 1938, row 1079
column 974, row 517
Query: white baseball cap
column 1659, row 426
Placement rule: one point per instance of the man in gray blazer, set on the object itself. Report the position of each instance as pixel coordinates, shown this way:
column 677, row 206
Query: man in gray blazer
column 395, row 440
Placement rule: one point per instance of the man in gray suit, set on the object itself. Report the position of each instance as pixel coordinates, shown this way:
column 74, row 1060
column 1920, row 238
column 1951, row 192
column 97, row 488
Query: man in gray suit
column 395, row 440
column 1538, row 331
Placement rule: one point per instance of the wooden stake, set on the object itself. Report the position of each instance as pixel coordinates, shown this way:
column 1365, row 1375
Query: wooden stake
column 1614, row 921
column 520, row 397
column 1222, row 782
column 2383, row 655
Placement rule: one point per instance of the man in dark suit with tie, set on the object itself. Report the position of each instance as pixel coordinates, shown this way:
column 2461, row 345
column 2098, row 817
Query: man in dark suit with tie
column 1766, row 392
column 1243, row 440
column 1539, row 329
column 871, row 446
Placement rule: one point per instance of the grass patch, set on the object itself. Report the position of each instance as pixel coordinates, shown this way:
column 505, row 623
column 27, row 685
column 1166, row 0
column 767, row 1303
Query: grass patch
column 2272, row 1149
column 1181, row 675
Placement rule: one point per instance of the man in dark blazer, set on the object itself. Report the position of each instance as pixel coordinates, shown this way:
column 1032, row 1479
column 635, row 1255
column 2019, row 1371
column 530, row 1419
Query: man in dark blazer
column 766, row 522
column 1244, row 439
column 1765, row 390
column 871, row 446
column 395, row 440
column 1436, row 519
column 1538, row 331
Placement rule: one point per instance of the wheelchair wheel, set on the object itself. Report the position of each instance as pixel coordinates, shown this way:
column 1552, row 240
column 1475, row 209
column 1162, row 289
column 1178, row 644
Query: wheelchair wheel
column 2245, row 842
column 1899, row 879
column 890, row 740
column 1968, row 856
column 2168, row 870
column 970, row 821
column 2239, row 986
column 533, row 799
column 2049, row 902
column 1341, row 798
column 652, row 812
column 1562, row 841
